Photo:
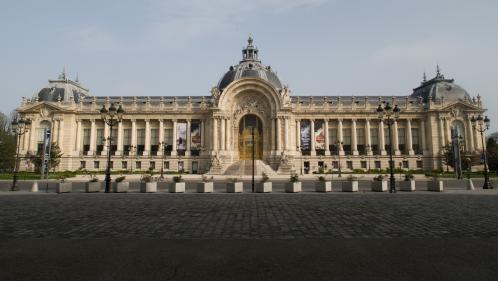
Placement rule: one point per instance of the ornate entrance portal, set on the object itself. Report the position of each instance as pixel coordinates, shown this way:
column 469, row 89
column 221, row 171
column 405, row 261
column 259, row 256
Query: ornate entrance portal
column 247, row 123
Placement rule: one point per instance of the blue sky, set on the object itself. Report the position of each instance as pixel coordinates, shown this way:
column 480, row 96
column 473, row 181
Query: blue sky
column 317, row 47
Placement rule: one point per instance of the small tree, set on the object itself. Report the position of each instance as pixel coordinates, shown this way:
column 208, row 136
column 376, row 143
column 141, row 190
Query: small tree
column 55, row 157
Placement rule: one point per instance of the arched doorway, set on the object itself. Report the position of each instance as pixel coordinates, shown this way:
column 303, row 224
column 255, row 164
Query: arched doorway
column 246, row 126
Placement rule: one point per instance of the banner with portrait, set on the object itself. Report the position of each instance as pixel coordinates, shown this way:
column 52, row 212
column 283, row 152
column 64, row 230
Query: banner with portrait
column 181, row 136
column 305, row 135
column 319, row 135
column 195, row 136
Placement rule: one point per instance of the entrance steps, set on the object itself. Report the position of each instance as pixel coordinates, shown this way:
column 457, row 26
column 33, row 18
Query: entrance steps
column 244, row 168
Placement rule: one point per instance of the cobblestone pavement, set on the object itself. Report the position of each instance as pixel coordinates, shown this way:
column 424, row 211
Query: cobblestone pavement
column 248, row 216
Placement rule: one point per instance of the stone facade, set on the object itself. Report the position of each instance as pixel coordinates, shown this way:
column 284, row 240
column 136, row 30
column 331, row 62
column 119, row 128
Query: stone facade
column 213, row 134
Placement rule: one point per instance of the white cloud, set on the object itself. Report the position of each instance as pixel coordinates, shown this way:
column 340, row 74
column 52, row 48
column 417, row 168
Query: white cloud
column 418, row 53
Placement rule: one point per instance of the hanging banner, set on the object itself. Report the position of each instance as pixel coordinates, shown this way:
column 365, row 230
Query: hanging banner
column 181, row 132
column 319, row 135
column 305, row 135
column 195, row 136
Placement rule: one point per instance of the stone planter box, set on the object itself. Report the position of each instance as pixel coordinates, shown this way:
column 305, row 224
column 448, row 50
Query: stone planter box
column 205, row 187
column 406, row 185
column 235, row 187
column 148, row 187
column 293, row 187
column 263, row 187
column 380, row 186
column 350, row 186
column 119, row 187
column 177, row 187
column 323, row 186
column 64, row 187
column 91, row 187
column 435, row 186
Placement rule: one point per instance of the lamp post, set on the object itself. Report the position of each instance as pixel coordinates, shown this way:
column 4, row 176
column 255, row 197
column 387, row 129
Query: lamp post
column 388, row 115
column 131, row 148
column 338, row 144
column 19, row 128
column 369, row 150
column 482, row 125
column 111, row 117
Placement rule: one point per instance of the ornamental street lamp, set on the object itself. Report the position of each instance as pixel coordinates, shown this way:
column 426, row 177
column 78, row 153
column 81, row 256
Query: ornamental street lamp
column 111, row 117
column 369, row 149
column 338, row 145
column 131, row 149
column 388, row 115
column 163, row 148
column 19, row 128
column 482, row 125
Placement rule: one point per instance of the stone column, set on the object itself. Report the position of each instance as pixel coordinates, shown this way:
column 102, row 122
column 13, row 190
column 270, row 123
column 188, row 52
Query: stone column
column 340, row 136
column 395, row 138
column 448, row 129
column 60, row 135
column 222, row 133
column 174, row 144
column 327, row 141
column 312, row 136
column 147, row 138
column 228, row 136
column 161, row 144
column 202, row 125
column 77, row 147
column 119, row 138
column 298, row 135
column 382, row 138
column 441, row 133
column 189, row 138
column 422, row 136
column 93, row 136
column 354, row 137
column 273, row 135
column 369, row 137
column 286, row 132
column 215, row 134
column 279, row 134
column 134, row 134
column 470, row 136
column 32, row 136
column 409, row 141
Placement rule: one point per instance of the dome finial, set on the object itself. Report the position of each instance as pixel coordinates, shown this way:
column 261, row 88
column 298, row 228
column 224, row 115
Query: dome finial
column 250, row 40
column 77, row 80
column 62, row 76
column 438, row 71
column 424, row 78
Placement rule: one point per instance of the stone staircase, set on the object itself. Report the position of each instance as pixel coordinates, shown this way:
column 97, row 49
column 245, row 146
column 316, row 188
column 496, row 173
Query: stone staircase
column 244, row 168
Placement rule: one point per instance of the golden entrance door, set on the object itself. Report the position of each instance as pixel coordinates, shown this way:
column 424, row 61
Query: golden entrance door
column 246, row 143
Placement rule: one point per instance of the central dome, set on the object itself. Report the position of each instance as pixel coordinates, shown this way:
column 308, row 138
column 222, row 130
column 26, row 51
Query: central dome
column 250, row 66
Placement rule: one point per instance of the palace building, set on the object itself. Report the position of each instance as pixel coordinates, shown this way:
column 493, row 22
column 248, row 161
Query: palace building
column 251, row 112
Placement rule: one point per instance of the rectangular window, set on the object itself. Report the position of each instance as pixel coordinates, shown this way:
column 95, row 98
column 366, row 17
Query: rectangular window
column 306, row 167
column 127, row 137
column 387, row 141
column 100, row 137
column 166, row 165
column 335, row 164
column 111, row 164
column 180, row 166
column 138, row 165
column 333, row 140
column 420, row 165
column 401, row 140
column 141, row 137
column 416, row 141
column 374, row 138
column 152, row 165
column 82, row 164
column 154, row 136
column 346, row 139
column 363, row 164
column 349, row 164
column 360, row 138
column 124, row 165
column 378, row 165
column 405, row 164
column 195, row 167
column 96, row 164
